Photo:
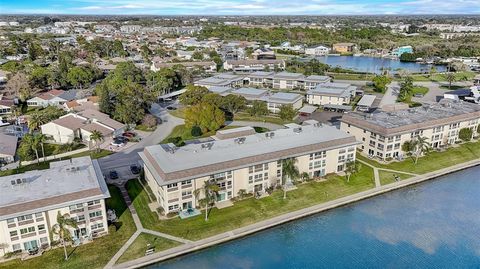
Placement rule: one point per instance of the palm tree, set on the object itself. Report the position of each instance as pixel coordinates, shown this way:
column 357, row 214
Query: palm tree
column 210, row 190
column 32, row 143
column 450, row 77
column 96, row 137
column 351, row 167
column 41, row 139
column 34, row 122
column 289, row 173
column 61, row 228
column 420, row 145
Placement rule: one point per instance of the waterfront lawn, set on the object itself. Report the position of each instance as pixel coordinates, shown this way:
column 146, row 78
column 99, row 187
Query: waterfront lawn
column 416, row 90
column 250, row 210
column 351, row 76
column 91, row 255
column 387, row 177
column 433, row 160
column 463, row 75
column 139, row 246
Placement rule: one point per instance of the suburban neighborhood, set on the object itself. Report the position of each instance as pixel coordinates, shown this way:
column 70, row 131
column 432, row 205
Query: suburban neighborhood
column 127, row 141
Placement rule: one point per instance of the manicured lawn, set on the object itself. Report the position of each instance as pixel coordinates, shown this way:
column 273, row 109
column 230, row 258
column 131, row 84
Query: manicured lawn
column 441, row 77
column 387, row 177
column 347, row 76
column 50, row 149
column 250, row 210
column 139, row 246
column 242, row 116
column 92, row 255
column 433, row 160
column 185, row 133
column 179, row 112
column 416, row 90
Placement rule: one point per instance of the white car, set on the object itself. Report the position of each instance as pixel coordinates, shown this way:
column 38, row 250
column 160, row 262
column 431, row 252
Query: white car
column 2, row 123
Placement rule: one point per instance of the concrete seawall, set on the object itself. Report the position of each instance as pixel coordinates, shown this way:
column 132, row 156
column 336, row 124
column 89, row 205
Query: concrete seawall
column 262, row 225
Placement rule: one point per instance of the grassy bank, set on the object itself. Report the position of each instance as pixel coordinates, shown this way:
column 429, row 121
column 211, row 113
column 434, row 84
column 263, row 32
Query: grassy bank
column 92, row 255
column 387, row 177
column 250, row 210
column 139, row 246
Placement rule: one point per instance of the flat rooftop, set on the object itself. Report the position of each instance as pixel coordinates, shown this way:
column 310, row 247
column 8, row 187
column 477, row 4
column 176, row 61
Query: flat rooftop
column 444, row 112
column 250, row 92
column 194, row 160
column 64, row 183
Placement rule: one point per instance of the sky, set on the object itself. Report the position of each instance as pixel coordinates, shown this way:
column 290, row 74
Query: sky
column 240, row 7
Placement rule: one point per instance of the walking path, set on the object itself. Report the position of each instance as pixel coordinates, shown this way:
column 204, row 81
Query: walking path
column 140, row 229
column 376, row 173
column 243, row 231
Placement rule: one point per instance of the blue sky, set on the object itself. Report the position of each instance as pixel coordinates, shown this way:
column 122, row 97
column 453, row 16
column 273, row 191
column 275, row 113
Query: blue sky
column 241, row 7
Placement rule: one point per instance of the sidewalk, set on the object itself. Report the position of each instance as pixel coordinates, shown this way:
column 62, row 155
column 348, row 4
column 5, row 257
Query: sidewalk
column 243, row 231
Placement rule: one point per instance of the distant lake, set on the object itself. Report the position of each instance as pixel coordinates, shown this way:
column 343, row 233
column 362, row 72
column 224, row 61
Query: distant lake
column 435, row 224
column 375, row 64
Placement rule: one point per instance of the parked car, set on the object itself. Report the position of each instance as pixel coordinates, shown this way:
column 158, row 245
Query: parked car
column 135, row 169
column 129, row 134
column 418, row 95
column 171, row 108
column 119, row 141
column 113, row 174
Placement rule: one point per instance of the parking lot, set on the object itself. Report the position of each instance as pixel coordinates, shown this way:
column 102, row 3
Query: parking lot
column 327, row 117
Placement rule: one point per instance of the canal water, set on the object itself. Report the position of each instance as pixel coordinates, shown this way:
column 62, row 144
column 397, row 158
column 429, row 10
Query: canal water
column 435, row 224
column 376, row 64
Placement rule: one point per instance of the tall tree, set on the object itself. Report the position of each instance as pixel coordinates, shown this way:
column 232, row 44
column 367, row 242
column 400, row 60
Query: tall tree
column 210, row 191
column 351, row 167
column 287, row 112
column 206, row 116
column 233, row 103
column 289, row 173
column 61, row 229
column 258, row 108
column 193, row 95
column 420, row 146
column 450, row 78
column 96, row 137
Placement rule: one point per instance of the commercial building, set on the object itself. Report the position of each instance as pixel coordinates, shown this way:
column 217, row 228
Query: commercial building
column 31, row 201
column 331, row 94
column 252, row 163
column 383, row 133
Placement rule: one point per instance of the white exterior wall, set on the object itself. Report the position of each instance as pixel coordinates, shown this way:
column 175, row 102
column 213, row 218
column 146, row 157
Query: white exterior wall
column 58, row 133
column 321, row 100
column 391, row 147
column 48, row 220
column 171, row 199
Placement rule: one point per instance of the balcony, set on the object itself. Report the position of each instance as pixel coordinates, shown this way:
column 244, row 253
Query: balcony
column 186, row 186
column 96, row 218
column 172, row 189
column 28, row 235
column 94, row 207
column 186, row 197
column 25, row 222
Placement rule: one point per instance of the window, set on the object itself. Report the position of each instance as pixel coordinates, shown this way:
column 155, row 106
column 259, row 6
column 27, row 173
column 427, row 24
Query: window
column 10, row 221
column 95, row 214
column 185, row 193
column 279, row 173
column 186, row 182
column 173, row 185
column 173, row 207
column 27, row 230
column 75, row 207
column 13, row 233
column 96, row 226
column 16, row 247
column 38, row 215
column 96, row 202
column 79, row 218
column 23, row 218
column 41, row 227
column 279, row 163
column 318, row 155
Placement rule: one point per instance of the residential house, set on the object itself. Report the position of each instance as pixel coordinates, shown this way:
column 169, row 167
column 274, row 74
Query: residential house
column 401, row 50
column 52, row 98
column 344, row 47
column 32, row 200
column 8, row 148
column 317, row 51
column 208, row 66
column 81, row 125
column 263, row 54
column 252, row 163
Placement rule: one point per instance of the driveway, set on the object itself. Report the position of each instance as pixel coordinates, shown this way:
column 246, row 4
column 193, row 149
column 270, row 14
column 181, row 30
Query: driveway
column 391, row 94
column 435, row 91
column 130, row 155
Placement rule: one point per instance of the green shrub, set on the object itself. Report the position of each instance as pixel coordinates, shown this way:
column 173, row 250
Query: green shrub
column 196, row 131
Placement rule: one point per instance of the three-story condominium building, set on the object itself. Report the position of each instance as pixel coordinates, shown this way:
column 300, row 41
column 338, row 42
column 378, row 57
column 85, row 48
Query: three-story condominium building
column 30, row 202
column 383, row 133
column 251, row 162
